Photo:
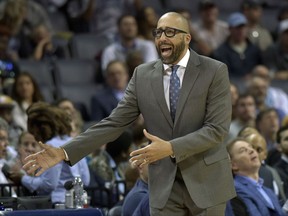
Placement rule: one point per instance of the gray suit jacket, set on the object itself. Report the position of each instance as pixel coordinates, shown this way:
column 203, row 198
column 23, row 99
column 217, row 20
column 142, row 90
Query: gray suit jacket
column 201, row 123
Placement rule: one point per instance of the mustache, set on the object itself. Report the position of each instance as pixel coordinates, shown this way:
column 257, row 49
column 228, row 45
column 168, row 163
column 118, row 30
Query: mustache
column 165, row 43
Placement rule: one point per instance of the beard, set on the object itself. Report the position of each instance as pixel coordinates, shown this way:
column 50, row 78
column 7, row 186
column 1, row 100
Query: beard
column 177, row 50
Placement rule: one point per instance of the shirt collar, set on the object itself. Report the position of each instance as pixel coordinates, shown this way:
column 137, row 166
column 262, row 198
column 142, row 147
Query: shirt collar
column 258, row 183
column 182, row 63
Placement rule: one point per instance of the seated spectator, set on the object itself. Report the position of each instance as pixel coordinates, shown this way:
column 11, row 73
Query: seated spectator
column 128, row 42
column 110, row 165
column 245, row 163
column 8, row 66
column 245, row 114
column 209, row 28
column 275, row 56
column 272, row 179
column 282, row 140
column 258, row 88
column 146, row 19
column 267, row 123
column 137, row 193
column 106, row 99
column 76, row 118
column 41, row 185
column 45, row 48
column 275, row 97
column 3, row 156
column 22, row 16
column 52, row 125
column 240, row 55
column 257, row 34
column 6, row 112
column 25, row 91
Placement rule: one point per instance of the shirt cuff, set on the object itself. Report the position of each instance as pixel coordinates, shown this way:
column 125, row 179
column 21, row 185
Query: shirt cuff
column 66, row 155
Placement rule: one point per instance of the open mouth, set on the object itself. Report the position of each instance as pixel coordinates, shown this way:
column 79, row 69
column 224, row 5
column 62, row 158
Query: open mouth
column 166, row 51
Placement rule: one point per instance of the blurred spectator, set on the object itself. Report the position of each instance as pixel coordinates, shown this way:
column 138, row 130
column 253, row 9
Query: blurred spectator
column 146, row 20
column 6, row 107
column 3, row 156
column 209, row 28
column 25, row 91
column 267, row 123
column 136, row 194
column 45, row 47
column 234, row 97
column 196, row 43
column 76, row 118
column 275, row 57
column 111, row 164
column 269, row 174
column 258, row 88
column 240, row 55
column 134, row 59
column 245, row 114
column 22, row 16
column 8, row 68
column 52, row 125
column 285, row 121
column 282, row 139
column 98, row 16
column 128, row 42
column 106, row 99
column 143, row 207
column 245, row 163
column 257, row 34
column 275, row 97
column 42, row 185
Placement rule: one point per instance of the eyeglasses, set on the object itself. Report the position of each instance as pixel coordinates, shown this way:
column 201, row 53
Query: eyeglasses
column 169, row 32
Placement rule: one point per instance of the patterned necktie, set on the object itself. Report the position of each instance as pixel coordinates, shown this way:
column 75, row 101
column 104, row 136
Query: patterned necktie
column 174, row 91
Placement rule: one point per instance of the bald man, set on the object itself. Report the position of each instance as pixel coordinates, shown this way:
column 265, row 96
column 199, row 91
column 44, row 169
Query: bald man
column 186, row 104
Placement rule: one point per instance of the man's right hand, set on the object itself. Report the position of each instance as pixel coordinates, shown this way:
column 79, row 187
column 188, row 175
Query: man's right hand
column 43, row 160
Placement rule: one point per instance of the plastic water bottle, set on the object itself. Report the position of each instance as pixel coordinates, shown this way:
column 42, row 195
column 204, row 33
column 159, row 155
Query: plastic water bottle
column 69, row 194
column 78, row 192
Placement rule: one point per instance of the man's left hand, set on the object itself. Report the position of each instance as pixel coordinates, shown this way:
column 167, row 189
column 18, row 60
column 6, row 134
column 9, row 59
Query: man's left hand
column 155, row 151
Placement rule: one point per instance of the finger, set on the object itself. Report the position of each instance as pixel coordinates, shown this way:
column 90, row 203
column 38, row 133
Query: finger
column 30, row 158
column 32, row 169
column 39, row 171
column 43, row 146
column 150, row 136
column 135, row 158
column 138, row 151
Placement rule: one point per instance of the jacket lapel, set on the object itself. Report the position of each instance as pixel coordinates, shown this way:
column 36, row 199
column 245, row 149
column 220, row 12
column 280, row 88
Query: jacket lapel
column 190, row 76
column 158, row 89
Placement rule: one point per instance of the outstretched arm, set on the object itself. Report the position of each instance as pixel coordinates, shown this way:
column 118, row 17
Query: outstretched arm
column 39, row 162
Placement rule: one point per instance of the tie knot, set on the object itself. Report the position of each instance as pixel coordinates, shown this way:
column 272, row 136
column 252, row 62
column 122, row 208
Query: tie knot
column 174, row 68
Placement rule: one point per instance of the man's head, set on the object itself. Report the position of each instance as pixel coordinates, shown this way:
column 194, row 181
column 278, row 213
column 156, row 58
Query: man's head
column 252, row 9
column 261, row 71
column 282, row 139
column 208, row 11
column 172, row 37
column 3, row 138
column 127, row 27
column 244, row 159
column 117, row 75
column 257, row 87
column 245, row 108
column 267, row 122
column 6, row 107
column 259, row 144
column 27, row 145
column 238, row 28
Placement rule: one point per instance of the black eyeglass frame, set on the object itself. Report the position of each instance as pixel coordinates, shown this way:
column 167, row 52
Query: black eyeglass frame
column 175, row 31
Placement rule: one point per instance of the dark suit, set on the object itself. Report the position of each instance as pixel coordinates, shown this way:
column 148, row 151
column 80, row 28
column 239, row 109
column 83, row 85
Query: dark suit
column 102, row 104
column 253, row 199
column 201, row 123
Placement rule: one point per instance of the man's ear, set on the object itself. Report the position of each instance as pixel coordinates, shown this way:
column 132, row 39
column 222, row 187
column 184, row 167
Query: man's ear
column 234, row 167
column 187, row 38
